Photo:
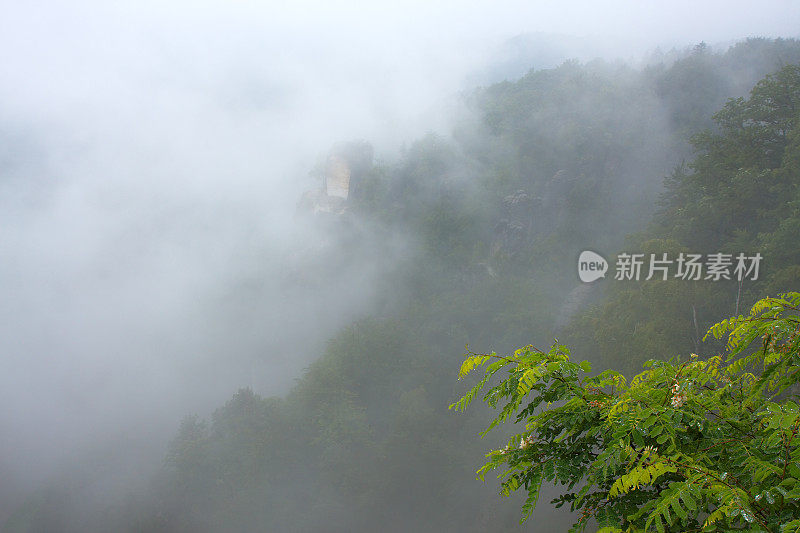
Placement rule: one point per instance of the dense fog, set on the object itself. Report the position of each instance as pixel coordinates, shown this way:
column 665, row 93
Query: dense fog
column 155, row 254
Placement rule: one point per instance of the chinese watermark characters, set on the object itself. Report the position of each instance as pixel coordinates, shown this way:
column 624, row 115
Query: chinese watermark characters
column 663, row 266
column 694, row 267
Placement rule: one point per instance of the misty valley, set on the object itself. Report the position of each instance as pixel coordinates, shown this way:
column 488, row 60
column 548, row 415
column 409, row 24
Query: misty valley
column 197, row 338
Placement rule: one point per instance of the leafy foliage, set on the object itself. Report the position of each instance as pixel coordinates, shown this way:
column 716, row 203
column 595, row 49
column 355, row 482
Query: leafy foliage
column 707, row 444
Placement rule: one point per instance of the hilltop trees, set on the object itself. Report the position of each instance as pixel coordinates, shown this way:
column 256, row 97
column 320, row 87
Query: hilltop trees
column 734, row 189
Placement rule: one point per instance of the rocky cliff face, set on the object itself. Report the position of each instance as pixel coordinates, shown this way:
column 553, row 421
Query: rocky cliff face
column 337, row 177
column 525, row 216
column 331, row 198
column 512, row 232
column 344, row 166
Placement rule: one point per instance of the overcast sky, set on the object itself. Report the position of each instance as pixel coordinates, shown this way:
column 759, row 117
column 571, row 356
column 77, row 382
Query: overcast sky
column 151, row 157
column 385, row 60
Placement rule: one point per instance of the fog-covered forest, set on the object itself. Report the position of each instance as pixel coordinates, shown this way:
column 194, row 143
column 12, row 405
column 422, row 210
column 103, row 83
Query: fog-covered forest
column 238, row 275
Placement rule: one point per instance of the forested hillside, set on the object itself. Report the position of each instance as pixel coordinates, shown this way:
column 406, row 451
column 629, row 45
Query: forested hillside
column 739, row 195
column 700, row 154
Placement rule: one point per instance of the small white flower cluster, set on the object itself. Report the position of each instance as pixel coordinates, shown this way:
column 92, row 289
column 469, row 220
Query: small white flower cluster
column 524, row 442
column 678, row 395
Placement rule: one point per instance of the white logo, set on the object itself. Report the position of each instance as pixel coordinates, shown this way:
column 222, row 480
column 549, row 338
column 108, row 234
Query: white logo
column 591, row 266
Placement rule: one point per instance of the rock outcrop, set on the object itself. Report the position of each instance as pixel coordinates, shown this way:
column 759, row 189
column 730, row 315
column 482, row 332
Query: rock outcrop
column 343, row 167
column 512, row 232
